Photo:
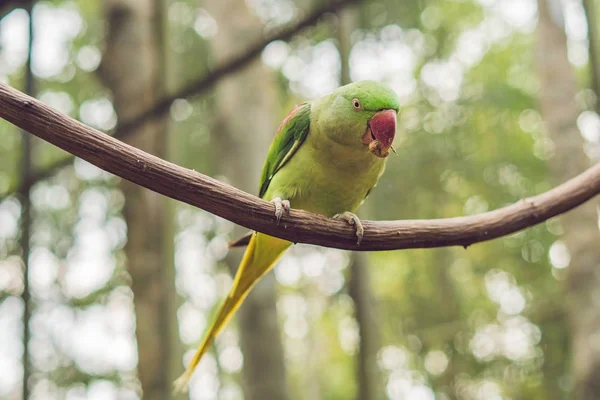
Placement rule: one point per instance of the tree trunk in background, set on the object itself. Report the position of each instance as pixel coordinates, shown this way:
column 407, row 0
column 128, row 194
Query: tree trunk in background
column 558, row 108
column 246, row 120
column 591, row 15
column 133, row 69
column 168, row 75
column 369, row 378
column 26, row 211
column 370, row 381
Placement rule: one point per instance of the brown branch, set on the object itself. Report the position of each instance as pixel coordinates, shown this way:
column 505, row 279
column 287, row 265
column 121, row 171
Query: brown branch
column 242, row 208
column 198, row 86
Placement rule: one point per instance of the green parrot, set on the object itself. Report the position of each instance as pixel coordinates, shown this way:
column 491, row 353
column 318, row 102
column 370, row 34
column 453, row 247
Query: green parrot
column 326, row 157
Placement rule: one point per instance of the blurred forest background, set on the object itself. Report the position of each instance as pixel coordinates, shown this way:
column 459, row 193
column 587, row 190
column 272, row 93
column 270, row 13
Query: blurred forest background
column 105, row 288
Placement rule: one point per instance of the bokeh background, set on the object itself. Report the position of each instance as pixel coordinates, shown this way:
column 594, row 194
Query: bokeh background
column 106, row 288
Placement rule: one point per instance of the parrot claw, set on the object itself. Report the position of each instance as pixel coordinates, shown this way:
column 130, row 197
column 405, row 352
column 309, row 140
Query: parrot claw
column 281, row 207
column 352, row 219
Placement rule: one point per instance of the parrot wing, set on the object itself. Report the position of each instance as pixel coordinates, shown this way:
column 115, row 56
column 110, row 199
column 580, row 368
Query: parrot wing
column 291, row 134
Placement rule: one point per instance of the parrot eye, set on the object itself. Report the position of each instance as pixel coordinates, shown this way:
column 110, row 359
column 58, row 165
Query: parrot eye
column 356, row 104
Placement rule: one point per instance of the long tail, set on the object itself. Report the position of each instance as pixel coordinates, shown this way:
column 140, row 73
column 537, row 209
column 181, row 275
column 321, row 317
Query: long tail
column 262, row 253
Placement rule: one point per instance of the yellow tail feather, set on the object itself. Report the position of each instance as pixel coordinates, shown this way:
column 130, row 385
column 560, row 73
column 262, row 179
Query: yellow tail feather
column 260, row 256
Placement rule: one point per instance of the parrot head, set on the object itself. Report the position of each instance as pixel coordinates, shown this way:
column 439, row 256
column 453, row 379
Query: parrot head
column 365, row 114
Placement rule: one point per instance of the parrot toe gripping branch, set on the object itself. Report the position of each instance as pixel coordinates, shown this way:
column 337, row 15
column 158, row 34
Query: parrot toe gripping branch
column 352, row 219
column 281, row 207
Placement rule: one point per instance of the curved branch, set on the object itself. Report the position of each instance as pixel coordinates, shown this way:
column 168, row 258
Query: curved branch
column 242, row 208
column 162, row 106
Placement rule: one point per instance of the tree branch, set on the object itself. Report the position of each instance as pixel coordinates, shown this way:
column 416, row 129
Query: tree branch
column 242, row 208
column 196, row 87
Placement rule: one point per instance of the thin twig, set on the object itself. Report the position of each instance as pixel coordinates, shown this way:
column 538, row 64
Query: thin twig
column 247, row 210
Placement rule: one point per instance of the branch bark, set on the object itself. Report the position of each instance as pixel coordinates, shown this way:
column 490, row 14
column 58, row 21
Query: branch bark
column 163, row 105
column 247, row 210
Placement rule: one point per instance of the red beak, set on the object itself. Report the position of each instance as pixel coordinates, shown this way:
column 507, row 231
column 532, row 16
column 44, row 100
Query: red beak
column 383, row 130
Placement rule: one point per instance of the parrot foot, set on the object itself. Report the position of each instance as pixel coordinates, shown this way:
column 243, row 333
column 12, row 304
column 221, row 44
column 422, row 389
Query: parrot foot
column 352, row 219
column 281, row 207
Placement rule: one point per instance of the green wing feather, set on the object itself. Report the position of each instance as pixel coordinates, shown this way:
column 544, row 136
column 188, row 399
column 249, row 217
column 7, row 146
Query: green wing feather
column 290, row 135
